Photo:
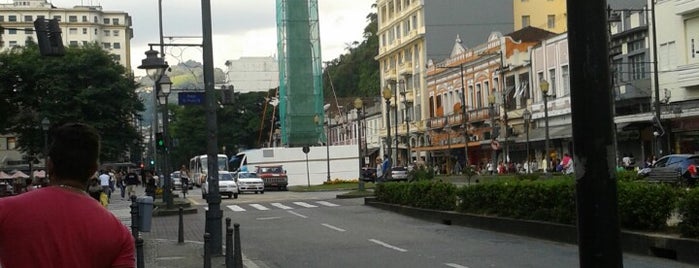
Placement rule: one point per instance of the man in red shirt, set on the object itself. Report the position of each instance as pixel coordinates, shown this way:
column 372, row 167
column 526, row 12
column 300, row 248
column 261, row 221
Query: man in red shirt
column 61, row 225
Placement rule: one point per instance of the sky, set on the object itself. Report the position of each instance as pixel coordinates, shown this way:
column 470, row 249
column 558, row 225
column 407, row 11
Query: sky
column 241, row 28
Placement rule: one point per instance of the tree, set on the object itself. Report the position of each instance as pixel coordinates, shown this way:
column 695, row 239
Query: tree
column 86, row 85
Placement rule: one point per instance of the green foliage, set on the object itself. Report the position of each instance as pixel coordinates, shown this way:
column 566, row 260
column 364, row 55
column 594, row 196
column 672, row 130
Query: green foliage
column 645, row 206
column 422, row 194
column 528, row 176
column 689, row 212
column 86, row 85
column 627, row 175
column 422, row 173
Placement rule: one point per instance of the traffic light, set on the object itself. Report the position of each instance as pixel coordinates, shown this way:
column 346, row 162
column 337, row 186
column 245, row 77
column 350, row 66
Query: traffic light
column 159, row 140
column 142, row 165
column 48, row 36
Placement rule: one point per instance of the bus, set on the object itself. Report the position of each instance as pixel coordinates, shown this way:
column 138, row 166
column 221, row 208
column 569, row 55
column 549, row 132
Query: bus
column 198, row 167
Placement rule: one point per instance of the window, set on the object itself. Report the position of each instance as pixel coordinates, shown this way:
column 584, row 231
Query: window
column 11, row 18
column 73, row 31
column 552, row 82
column 115, row 33
column 525, row 21
column 84, row 43
column 636, row 45
column 84, row 18
column 73, row 43
column 40, row 17
column 94, row 19
column 72, row 18
column 479, row 102
column 2, row 18
column 106, row 21
column 638, row 67
column 96, row 32
column 28, row 18
column 84, row 30
column 106, row 32
column 117, row 45
column 551, row 21
column 12, row 31
column 115, row 21
column 13, row 43
column 565, row 75
column 58, row 18
column 107, row 45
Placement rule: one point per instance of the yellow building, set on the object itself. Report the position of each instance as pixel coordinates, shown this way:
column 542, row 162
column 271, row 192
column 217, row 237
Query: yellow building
column 550, row 15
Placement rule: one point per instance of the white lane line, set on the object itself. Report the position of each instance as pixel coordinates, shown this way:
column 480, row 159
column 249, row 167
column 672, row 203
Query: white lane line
column 327, row 204
column 333, row 227
column 297, row 214
column 387, row 245
column 304, row 204
column 279, row 205
column 268, row 218
column 455, row 265
column 236, row 208
column 259, row 207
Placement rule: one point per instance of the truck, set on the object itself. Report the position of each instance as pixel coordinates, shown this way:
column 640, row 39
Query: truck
column 274, row 176
column 302, row 168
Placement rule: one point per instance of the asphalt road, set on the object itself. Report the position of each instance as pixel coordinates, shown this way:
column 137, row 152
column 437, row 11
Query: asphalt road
column 287, row 229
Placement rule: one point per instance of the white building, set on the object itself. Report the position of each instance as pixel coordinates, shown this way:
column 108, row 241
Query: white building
column 80, row 25
column 251, row 74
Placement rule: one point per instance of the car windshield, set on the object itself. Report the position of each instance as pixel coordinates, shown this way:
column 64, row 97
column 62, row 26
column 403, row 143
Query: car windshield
column 225, row 177
column 247, row 175
column 271, row 170
column 398, row 168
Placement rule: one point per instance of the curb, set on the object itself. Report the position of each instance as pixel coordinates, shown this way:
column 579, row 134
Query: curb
column 654, row 245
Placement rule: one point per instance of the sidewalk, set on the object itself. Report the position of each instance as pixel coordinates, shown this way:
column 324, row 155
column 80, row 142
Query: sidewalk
column 160, row 244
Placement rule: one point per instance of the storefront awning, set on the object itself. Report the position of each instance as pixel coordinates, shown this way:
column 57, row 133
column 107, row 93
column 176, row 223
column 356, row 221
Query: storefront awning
column 539, row 134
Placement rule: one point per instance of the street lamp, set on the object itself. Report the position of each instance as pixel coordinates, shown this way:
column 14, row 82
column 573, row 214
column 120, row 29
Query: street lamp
column 327, row 141
column 45, row 124
column 544, row 86
column 527, row 116
column 493, row 140
column 387, row 94
column 358, row 104
column 406, row 121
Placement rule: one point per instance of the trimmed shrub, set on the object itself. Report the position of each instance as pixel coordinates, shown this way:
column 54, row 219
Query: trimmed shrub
column 422, row 194
column 627, row 175
column 689, row 212
column 645, row 206
column 421, row 173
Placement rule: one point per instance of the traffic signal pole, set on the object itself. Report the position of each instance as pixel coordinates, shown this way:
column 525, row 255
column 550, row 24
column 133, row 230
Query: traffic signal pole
column 593, row 128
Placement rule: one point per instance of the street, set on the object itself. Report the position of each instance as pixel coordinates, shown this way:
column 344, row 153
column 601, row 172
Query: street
column 290, row 229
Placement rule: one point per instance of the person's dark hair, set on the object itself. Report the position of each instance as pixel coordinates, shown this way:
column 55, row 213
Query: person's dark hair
column 74, row 150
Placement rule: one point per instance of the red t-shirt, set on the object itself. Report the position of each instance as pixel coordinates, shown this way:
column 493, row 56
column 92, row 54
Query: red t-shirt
column 58, row 227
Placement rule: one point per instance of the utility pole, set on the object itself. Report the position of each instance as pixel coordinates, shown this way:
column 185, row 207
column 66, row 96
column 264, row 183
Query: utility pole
column 656, row 86
column 593, row 128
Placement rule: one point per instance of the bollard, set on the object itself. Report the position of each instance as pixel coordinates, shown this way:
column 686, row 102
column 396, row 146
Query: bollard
column 229, row 246
column 180, row 230
column 238, row 253
column 207, row 253
column 134, row 217
column 140, row 261
column 228, row 222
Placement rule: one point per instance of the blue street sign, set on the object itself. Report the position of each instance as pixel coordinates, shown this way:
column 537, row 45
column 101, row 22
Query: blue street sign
column 190, row 98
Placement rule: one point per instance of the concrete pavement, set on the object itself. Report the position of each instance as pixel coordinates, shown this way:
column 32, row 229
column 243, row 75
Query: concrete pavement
column 160, row 244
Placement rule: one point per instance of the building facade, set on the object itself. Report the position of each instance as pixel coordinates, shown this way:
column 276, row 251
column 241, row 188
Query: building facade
column 80, row 25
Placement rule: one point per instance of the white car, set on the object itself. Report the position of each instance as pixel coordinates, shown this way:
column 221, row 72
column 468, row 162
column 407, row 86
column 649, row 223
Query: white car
column 226, row 185
column 250, row 182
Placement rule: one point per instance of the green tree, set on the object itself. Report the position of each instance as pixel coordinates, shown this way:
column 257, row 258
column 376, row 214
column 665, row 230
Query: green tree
column 86, row 85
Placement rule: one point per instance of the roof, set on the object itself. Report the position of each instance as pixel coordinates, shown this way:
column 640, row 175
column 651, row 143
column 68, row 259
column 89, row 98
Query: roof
column 530, row 34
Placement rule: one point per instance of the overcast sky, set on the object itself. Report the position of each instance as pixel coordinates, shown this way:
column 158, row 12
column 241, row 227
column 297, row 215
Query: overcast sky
column 240, row 27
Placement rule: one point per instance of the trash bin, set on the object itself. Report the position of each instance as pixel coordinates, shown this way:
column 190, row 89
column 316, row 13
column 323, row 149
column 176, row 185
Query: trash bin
column 145, row 212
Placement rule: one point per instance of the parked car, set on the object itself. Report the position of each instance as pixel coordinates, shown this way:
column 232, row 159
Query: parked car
column 678, row 169
column 399, row 174
column 369, row 174
column 226, row 185
column 176, row 180
column 249, row 182
column 274, row 176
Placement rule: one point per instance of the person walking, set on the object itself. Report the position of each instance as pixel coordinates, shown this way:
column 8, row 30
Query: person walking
column 131, row 181
column 60, row 225
column 379, row 170
column 104, row 182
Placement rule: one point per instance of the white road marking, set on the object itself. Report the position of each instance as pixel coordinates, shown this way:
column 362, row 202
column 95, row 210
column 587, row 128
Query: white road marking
column 304, row 204
column 297, row 214
column 279, row 205
column 455, row 265
column 333, row 227
column 193, row 201
column 259, row 207
column 236, row 208
column 328, row 204
column 268, row 218
column 387, row 245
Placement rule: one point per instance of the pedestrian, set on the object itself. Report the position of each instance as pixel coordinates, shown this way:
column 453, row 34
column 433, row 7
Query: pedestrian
column 379, row 170
column 385, row 167
column 120, row 176
column 184, row 180
column 94, row 189
column 104, row 182
column 131, row 182
column 60, row 225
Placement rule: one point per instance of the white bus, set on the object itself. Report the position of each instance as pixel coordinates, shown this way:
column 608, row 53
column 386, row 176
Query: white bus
column 198, row 167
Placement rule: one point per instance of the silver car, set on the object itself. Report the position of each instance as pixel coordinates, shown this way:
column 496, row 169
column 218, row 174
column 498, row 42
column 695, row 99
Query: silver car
column 250, row 182
column 226, row 185
column 399, row 174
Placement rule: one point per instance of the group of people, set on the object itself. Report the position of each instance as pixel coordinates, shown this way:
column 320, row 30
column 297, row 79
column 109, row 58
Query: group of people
column 104, row 183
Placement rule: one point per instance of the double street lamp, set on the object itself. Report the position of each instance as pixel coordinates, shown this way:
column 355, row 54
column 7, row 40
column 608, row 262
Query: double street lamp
column 358, row 104
column 493, row 136
column 527, row 116
column 544, row 86
column 387, row 95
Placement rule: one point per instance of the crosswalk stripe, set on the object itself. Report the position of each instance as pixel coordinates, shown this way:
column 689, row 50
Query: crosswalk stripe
column 259, row 207
column 236, row 208
column 279, row 205
column 304, row 204
column 328, row 204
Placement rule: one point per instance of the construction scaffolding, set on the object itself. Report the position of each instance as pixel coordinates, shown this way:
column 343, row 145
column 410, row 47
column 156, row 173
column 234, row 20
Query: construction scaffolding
column 300, row 70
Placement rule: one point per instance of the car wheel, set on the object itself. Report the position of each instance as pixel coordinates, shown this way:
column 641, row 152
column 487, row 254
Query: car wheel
column 235, row 196
column 263, row 192
column 255, row 192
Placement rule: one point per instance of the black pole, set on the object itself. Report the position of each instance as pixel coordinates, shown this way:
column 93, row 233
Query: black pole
column 180, row 227
column 140, row 259
column 593, row 127
column 167, row 192
column 464, row 116
column 214, row 214
column 656, row 84
column 546, row 130
column 238, row 256
column 395, row 117
column 134, row 217
column 388, row 138
column 529, row 161
column 359, row 148
column 207, row 250
column 229, row 244
column 493, row 139
column 327, row 149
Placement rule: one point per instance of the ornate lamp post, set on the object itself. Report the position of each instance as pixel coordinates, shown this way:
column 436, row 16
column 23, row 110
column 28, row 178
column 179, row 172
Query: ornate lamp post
column 45, row 124
column 527, row 116
column 387, row 95
column 165, row 86
column 358, row 104
column 493, row 138
column 544, row 86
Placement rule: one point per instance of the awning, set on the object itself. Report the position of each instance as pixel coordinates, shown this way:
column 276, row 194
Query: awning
column 539, row 134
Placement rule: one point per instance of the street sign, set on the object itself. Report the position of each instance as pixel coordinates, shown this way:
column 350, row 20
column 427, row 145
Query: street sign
column 190, row 98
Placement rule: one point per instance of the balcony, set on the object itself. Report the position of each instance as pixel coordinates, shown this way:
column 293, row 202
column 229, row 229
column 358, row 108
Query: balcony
column 455, row 119
column 437, row 122
column 406, row 68
column 686, row 7
column 687, row 76
column 482, row 114
column 390, row 74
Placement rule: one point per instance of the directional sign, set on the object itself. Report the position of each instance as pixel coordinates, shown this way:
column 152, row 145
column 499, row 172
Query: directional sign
column 190, row 98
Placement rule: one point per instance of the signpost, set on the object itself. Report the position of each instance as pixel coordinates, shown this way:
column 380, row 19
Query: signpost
column 190, row 98
column 307, row 149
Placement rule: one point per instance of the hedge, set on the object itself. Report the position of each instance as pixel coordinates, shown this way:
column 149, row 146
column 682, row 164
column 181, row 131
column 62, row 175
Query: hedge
column 689, row 213
column 421, row 194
